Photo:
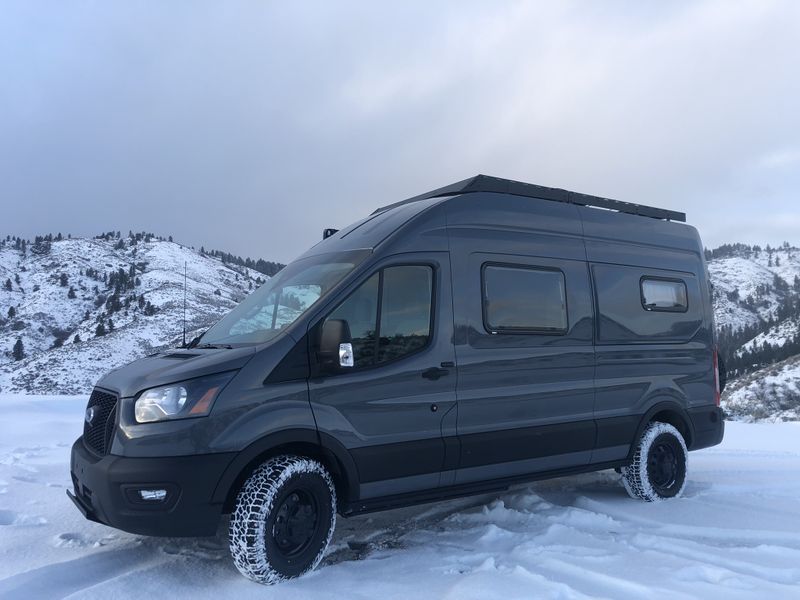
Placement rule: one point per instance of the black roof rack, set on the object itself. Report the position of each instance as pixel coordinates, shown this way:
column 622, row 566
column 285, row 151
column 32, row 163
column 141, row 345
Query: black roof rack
column 485, row 183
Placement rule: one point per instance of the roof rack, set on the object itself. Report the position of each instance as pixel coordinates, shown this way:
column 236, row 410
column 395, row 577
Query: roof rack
column 485, row 183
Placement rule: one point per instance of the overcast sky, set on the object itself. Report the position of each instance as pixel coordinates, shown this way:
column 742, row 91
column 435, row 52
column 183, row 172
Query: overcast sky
column 250, row 126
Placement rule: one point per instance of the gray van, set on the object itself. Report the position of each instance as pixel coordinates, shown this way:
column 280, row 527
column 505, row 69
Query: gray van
column 486, row 333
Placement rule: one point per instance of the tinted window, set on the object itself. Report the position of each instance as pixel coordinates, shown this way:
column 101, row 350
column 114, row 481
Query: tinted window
column 519, row 299
column 662, row 294
column 405, row 311
column 360, row 310
column 404, row 319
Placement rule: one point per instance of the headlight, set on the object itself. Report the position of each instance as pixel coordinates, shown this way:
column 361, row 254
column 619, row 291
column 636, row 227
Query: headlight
column 192, row 398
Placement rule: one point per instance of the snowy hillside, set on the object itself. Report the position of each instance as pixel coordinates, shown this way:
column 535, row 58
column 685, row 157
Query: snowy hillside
column 771, row 393
column 757, row 309
column 750, row 286
column 734, row 535
column 80, row 307
column 84, row 306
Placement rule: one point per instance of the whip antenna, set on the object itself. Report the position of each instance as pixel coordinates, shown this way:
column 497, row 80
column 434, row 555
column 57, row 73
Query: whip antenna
column 184, row 304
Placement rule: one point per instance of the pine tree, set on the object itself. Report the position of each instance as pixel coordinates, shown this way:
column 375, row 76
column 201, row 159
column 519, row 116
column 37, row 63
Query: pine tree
column 100, row 330
column 76, row 339
column 63, row 280
column 19, row 350
column 16, row 278
column 71, row 293
column 110, row 325
column 12, row 312
column 8, row 286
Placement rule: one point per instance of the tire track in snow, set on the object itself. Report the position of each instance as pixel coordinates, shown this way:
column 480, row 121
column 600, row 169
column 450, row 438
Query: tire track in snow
column 75, row 575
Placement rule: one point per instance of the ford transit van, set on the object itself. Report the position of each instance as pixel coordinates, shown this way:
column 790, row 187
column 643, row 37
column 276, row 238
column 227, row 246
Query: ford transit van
column 487, row 333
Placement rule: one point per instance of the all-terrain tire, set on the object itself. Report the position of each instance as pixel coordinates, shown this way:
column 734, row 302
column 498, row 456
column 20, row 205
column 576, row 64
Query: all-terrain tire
column 284, row 518
column 659, row 466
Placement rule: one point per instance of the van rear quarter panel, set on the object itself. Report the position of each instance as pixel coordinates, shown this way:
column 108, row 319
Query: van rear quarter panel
column 645, row 358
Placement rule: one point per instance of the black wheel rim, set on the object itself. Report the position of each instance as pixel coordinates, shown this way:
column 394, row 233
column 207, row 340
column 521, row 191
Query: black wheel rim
column 296, row 522
column 662, row 466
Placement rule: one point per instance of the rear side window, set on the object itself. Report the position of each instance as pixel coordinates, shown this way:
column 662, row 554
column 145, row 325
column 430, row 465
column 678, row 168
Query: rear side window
column 664, row 294
column 389, row 315
column 518, row 299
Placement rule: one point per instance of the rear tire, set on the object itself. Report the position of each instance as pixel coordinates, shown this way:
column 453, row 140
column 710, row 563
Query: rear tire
column 284, row 518
column 659, row 466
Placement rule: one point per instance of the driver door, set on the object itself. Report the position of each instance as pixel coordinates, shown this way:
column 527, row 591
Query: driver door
column 390, row 408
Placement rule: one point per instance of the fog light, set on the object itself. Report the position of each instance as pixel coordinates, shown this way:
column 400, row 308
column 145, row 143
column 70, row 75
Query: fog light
column 153, row 495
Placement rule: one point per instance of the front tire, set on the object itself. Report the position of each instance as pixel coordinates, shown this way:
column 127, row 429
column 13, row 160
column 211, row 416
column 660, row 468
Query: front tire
column 284, row 518
column 660, row 464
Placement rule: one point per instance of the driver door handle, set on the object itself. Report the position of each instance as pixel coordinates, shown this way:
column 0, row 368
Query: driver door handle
column 435, row 373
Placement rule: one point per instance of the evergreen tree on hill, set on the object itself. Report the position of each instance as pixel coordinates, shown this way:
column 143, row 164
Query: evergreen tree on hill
column 19, row 350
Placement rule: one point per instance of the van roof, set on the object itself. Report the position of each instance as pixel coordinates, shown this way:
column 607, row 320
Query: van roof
column 486, row 183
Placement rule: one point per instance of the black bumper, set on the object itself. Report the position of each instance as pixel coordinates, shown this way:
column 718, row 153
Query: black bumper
column 106, row 490
column 708, row 424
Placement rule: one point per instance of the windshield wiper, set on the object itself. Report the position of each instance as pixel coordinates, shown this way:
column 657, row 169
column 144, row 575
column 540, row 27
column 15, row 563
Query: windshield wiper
column 216, row 346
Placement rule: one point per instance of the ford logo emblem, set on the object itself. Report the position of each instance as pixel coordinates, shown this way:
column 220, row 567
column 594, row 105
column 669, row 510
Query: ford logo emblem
column 90, row 412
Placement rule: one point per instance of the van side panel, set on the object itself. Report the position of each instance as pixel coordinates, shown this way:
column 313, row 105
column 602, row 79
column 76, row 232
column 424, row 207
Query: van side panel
column 647, row 357
column 525, row 400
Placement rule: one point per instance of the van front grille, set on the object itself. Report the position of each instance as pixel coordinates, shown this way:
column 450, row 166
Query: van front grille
column 99, row 430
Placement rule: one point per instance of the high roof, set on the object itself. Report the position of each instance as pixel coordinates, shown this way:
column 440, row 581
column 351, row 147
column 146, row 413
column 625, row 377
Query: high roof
column 486, row 183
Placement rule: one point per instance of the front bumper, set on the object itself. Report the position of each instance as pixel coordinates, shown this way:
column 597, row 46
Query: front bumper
column 105, row 490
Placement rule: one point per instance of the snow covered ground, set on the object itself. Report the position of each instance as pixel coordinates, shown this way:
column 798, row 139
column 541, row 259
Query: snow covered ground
column 735, row 534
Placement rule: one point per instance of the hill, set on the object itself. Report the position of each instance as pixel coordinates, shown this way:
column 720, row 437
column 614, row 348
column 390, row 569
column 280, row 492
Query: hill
column 81, row 307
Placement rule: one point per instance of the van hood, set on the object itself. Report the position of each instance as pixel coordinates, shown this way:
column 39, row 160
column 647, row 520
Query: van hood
column 172, row 366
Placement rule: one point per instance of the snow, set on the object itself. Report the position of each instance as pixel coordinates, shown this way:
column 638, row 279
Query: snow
column 745, row 272
column 43, row 308
column 771, row 393
column 735, row 533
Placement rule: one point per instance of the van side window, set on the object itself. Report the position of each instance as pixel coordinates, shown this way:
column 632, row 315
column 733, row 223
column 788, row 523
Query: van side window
column 664, row 295
column 389, row 315
column 524, row 300
column 405, row 324
column 360, row 310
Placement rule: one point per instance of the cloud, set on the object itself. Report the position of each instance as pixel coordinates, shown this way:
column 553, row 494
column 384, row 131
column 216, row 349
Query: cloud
column 251, row 126
column 780, row 159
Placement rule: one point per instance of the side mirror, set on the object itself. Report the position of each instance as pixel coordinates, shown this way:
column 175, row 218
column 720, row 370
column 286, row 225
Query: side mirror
column 335, row 347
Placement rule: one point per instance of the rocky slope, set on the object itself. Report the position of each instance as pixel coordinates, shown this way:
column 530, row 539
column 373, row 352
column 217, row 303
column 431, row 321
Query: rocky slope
column 84, row 306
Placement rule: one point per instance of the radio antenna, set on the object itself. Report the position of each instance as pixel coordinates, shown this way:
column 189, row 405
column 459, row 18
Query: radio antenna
column 184, row 304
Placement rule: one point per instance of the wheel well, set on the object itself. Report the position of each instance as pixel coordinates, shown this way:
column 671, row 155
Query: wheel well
column 304, row 449
column 677, row 421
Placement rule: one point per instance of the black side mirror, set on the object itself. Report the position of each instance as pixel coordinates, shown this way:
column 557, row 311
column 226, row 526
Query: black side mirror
column 335, row 347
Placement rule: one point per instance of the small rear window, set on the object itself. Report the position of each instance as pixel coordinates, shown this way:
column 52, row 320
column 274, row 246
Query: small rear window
column 664, row 295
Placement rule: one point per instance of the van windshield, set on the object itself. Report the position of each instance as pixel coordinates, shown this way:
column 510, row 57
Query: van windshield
column 282, row 299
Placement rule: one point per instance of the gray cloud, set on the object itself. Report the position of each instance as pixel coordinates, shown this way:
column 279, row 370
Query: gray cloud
column 250, row 126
